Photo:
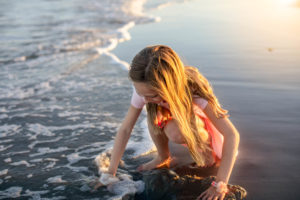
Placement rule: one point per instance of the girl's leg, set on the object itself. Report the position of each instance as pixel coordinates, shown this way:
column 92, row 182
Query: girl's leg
column 161, row 142
column 173, row 133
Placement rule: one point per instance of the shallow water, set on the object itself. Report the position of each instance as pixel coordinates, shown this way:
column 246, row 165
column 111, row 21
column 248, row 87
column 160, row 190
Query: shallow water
column 62, row 94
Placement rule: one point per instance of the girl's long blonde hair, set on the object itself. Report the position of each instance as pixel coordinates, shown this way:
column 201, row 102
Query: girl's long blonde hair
column 162, row 69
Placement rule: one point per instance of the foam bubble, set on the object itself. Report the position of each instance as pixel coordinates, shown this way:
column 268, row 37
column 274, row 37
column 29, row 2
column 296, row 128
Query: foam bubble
column 45, row 141
column 20, row 59
column 12, row 192
column 51, row 165
column 35, row 194
column 74, row 158
column 7, row 160
column 6, row 141
column 116, row 60
column 62, row 187
column 56, row 179
column 71, row 127
column 3, row 148
column 6, row 130
column 3, row 172
column 47, row 150
column 22, row 162
column 16, row 153
column 3, row 116
column 126, row 187
column 39, row 130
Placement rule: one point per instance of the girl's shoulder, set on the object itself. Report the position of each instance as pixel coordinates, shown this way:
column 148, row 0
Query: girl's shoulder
column 136, row 100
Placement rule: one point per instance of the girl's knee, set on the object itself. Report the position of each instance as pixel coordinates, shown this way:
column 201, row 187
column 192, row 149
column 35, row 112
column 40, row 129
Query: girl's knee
column 173, row 132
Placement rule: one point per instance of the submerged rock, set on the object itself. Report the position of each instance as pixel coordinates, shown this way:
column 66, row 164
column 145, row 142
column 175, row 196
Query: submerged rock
column 166, row 184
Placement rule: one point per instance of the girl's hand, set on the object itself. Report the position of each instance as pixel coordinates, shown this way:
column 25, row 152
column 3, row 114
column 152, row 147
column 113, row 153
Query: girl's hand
column 96, row 185
column 104, row 180
column 211, row 194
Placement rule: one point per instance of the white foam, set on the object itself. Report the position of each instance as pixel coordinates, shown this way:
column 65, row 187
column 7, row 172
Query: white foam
column 68, row 113
column 3, row 116
column 53, row 107
column 16, row 153
column 21, row 92
column 12, row 192
column 7, row 130
column 123, row 32
column 74, row 158
column 36, row 160
column 3, row 148
column 6, row 141
column 29, row 175
column 77, row 169
column 50, row 165
column 56, row 179
column 47, row 150
column 3, row 110
column 39, row 130
column 7, row 160
column 62, row 187
column 35, row 194
column 44, row 141
column 71, row 127
column 111, row 45
column 125, row 187
column 3, row 172
column 22, row 162
column 20, row 59
column 116, row 60
column 110, row 124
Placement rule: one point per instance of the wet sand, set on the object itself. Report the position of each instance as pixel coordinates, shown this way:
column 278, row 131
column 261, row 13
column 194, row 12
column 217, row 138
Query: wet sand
column 259, row 87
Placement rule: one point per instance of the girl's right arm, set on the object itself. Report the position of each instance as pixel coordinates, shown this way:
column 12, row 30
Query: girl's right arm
column 122, row 137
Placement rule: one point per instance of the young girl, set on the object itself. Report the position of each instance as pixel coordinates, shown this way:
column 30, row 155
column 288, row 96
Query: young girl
column 183, row 114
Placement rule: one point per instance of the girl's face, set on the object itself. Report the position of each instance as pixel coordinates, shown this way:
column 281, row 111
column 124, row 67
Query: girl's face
column 149, row 95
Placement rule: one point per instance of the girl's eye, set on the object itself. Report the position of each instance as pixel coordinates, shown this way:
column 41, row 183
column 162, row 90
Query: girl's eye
column 154, row 96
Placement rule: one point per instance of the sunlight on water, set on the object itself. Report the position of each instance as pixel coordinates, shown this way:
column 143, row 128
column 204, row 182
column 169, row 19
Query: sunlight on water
column 288, row 2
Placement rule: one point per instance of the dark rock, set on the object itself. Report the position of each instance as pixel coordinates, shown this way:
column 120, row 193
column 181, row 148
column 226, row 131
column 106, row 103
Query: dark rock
column 166, row 184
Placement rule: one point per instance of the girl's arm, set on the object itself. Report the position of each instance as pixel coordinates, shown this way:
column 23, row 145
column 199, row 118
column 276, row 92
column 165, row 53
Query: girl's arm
column 230, row 146
column 122, row 137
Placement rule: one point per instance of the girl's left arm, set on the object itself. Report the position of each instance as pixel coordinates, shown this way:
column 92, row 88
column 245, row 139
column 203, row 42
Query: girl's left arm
column 229, row 152
column 230, row 146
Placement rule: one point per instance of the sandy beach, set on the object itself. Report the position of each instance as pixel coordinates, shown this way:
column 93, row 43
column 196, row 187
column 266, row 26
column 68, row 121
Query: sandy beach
column 257, row 85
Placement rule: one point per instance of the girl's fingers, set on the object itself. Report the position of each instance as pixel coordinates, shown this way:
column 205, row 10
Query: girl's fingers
column 99, row 184
column 222, row 196
column 206, row 197
column 202, row 195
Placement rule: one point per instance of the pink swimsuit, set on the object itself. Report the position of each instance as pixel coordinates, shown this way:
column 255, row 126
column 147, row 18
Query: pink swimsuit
column 199, row 104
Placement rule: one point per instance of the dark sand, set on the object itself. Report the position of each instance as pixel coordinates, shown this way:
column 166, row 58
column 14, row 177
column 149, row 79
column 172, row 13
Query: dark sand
column 259, row 87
